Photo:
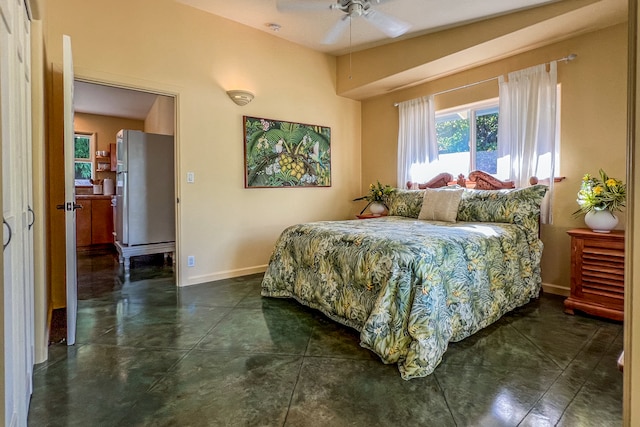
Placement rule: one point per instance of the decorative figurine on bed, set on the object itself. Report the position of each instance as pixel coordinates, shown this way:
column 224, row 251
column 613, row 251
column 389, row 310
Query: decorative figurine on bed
column 376, row 196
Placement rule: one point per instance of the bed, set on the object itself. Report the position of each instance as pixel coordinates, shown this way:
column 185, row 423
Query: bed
column 410, row 286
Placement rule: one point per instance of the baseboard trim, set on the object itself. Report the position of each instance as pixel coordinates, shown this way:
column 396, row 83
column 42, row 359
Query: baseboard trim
column 555, row 289
column 228, row 274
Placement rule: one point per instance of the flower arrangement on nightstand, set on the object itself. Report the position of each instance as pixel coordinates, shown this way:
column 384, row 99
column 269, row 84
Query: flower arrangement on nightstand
column 598, row 198
column 375, row 197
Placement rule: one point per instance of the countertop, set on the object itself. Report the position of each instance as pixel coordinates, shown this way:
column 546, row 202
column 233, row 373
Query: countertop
column 92, row 196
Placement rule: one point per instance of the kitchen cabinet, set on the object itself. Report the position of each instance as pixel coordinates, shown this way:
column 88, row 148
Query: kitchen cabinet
column 101, row 221
column 83, row 223
column 103, row 164
column 94, row 222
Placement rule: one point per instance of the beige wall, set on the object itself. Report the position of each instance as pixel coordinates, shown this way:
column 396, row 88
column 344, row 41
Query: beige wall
column 104, row 127
column 161, row 117
column 197, row 57
column 593, row 125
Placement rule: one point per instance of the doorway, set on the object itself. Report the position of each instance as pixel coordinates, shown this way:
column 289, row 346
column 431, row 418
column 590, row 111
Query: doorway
column 100, row 111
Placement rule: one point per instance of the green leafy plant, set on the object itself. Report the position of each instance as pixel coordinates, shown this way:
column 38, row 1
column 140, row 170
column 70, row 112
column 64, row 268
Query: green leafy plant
column 376, row 194
column 600, row 194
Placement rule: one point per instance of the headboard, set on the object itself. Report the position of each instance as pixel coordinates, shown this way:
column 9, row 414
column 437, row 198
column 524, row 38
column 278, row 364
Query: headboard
column 477, row 179
column 440, row 180
column 484, row 181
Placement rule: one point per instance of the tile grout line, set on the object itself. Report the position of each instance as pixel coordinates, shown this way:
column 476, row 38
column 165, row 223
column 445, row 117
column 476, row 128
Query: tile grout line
column 446, row 401
column 295, row 385
column 602, row 355
column 173, row 366
column 538, row 347
column 582, row 383
column 562, row 371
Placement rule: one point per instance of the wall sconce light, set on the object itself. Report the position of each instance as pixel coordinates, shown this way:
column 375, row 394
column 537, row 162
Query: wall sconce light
column 240, row 97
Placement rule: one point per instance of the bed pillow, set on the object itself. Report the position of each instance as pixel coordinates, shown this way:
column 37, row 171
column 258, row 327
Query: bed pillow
column 404, row 202
column 517, row 206
column 440, row 204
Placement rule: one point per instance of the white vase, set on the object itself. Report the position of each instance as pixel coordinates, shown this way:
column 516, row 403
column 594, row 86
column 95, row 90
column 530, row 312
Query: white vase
column 601, row 221
column 376, row 208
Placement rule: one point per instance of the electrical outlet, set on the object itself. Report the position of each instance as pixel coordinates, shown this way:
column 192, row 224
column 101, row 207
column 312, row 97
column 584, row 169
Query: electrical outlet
column 191, row 261
column 191, row 177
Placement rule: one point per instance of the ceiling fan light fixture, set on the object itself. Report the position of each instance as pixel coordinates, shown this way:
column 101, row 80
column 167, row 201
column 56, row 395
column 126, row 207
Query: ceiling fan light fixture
column 388, row 24
column 356, row 9
column 240, row 97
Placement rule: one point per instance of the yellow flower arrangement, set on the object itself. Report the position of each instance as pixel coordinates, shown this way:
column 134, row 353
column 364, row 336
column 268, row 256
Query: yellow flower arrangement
column 376, row 194
column 600, row 194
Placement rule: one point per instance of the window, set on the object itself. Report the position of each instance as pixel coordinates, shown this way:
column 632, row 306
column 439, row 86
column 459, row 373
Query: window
column 467, row 140
column 83, row 149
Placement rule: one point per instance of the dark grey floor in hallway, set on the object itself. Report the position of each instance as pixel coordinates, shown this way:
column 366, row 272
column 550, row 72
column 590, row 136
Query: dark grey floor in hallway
column 217, row 354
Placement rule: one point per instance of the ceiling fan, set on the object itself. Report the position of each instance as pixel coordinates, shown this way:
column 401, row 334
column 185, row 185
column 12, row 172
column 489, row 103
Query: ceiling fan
column 391, row 26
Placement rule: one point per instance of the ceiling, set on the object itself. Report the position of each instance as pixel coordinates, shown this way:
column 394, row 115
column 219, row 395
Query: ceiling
column 309, row 27
column 111, row 101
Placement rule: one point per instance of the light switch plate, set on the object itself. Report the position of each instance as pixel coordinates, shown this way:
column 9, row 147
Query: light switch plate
column 191, row 177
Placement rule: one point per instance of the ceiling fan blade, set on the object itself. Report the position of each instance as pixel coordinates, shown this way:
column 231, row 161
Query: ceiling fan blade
column 304, row 6
column 391, row 26
column 377, row 2
column 336, row 31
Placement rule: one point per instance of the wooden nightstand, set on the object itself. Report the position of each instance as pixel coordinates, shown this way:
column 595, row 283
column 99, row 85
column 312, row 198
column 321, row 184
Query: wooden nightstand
column 370, row 215
column 597, row 273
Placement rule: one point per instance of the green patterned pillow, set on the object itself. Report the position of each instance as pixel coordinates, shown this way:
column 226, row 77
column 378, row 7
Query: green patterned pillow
column 404, row 202
column 518, row 206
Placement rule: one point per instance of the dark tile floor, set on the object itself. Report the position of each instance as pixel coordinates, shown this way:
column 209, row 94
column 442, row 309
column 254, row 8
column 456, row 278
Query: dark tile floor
column 217, row 354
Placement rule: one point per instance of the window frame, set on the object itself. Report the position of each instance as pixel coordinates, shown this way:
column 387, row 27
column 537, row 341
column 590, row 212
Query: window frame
column 423, row 171
column 91, row 159
column 471, row 110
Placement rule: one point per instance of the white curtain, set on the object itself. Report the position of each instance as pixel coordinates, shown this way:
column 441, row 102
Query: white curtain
column 527, row 127
column 417, row 141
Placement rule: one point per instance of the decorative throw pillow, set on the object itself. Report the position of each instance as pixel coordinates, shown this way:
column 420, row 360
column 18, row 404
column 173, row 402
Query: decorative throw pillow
column 405, row 203
column 440, row 204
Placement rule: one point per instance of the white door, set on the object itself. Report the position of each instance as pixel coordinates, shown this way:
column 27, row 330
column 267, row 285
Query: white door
column 69, row 191
column 15, row 122
column 24, row 47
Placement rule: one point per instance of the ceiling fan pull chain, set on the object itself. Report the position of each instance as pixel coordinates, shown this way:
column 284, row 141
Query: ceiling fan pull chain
column 350, row 46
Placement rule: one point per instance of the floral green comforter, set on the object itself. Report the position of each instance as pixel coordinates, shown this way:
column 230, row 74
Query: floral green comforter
column 410, row 287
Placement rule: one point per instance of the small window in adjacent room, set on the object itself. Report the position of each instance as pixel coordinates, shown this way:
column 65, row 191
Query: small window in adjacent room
column 83, row 148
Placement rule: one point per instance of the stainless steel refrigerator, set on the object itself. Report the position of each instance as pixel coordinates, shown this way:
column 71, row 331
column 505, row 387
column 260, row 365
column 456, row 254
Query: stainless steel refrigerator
column 145, row 195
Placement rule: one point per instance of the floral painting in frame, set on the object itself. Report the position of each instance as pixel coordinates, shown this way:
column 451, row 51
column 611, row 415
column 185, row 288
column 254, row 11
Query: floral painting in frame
column 286, row 154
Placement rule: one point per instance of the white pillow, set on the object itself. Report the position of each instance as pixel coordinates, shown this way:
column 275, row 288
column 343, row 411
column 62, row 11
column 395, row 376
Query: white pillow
column 440, row 204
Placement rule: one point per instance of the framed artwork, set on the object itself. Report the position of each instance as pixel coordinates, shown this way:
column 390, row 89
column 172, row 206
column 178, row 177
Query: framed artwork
column 286, row 154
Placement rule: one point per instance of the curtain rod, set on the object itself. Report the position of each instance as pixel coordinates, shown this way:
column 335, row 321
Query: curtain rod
column 567, row 58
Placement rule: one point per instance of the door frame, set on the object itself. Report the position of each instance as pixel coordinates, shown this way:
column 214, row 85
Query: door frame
column 108, row 80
